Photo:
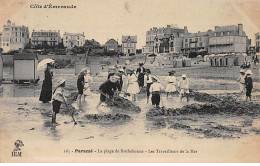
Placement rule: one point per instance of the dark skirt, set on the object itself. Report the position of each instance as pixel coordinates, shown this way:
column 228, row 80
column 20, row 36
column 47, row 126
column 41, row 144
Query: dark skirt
column 248, row 91
column 156, row 99
column 56, row 106
column 80, row 88
column 148, row 89
column 46, row 92
column 141, row 80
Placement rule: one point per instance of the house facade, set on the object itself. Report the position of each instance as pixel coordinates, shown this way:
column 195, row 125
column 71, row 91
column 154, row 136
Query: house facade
column 129, row 45
column 257, row 42
column 42, row 37
column 14, row 37
column 228, row 39
column 73, row 39
column 111, row 46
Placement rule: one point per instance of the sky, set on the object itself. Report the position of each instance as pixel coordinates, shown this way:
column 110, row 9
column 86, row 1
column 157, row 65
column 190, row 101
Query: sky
column 105, row 19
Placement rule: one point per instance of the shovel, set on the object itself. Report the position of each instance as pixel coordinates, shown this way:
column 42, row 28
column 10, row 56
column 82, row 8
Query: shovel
column 71, row 114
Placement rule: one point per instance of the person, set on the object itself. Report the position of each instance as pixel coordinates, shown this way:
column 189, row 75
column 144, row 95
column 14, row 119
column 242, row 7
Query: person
column 111, row 71
column 46, row 92
column 80, row 84
column 184, row 87
column 149, row 82
column 241, row 81
column 87, row 79
column 171, row 83
column 140, row 73
column 109, row 88
column 58, row 99
column 248, row 84
column 125, row 83
column 121, row 73
column 156, row 90
column 133, row 87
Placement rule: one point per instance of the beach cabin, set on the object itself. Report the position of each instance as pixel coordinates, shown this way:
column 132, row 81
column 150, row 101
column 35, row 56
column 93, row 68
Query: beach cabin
column 186, row 62
column 25, row 68
column 95, row 68
column 79, row 65
column 177, row 63
column 1, row 69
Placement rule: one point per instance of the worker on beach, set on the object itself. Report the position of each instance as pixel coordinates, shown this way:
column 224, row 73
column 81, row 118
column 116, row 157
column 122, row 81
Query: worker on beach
column 133, row 87
column 88, row 80
column 80, row 84
column 156, row 90
column 111, row 71
column 184, row 87
column 241, row 81
column 171, row 81
column 58, row 99
column 248, row 84
column 140, row 72
column 149, row 82
column 109, row 89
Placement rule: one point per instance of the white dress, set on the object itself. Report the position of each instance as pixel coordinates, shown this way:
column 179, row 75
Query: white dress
column 125, row 83
column 171, row 84
column 88, row 79
column 133, row 87
column 184, row 86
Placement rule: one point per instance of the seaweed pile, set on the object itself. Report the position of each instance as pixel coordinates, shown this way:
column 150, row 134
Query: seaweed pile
column 214, row 105
column 107, row 118
column 124, row 104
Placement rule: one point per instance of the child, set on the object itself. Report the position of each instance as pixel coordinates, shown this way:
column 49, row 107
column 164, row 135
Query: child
column 184, row 87
column 58, row 98
column 125, row 83
column 156, row 90
column 241, row 80
column 149, row 82
column 80, row 84
column 133, row 87
column 171, row 83
column 249, row 84
column 87, row 79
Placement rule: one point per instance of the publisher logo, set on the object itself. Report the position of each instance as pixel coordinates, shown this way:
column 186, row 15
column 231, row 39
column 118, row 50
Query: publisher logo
column 17, row 148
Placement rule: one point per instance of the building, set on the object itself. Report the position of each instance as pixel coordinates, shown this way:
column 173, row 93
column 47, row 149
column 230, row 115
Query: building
column 73, row 39
column 44, row 38
column 226, row 60
column 1, row 68
column 164, row 40
column 14, row 37
column 228, row 39
column 129, row 45
column 196, row 43
column 257, row 42
column 111, row 46
column 25, row 68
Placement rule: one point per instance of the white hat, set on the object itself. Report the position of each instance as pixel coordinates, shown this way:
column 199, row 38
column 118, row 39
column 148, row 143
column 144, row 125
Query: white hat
column 116, row 76
column 242, row 71
column 60, row 81
column 249, row 72
column 183, row 76
column 83, row 70
column 121, row 69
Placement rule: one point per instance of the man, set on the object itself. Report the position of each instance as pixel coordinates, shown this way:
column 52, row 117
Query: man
column 184, row 87
column 80, row 84
column 109, row 88
column 140, row 71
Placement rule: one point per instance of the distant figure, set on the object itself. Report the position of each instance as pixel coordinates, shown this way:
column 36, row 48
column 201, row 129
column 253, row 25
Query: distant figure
column 133, row 87
column 140, row 72
column 149, row 82
column 125, row 82
column 171, row 83
column 46, row 92
column 109, row 88
column 241, row 81
column 58, row 98
column 184, row 87
column 248, row 84
column 156, row 90
column 87, row 80
column 80, row 84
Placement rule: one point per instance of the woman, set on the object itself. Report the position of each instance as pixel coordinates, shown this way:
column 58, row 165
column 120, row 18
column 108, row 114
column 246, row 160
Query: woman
column 46, row 93
column 80, row 84
column 149, row 82
column 248, row 84
column 133, row 87
column 171, row 83
column 140, row 72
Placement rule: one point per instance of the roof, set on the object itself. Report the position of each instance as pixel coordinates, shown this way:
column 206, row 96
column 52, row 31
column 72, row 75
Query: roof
column 74, row 34
column 25, row 56
column 111, row 40
column 132, row 38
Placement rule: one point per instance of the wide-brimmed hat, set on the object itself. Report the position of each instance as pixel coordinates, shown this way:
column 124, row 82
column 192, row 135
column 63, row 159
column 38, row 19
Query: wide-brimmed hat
column 183, row 76
column 129, row 70
column 147, row 70
column 121, row 70
column 249, row 72
column 111, row 67
column 60, row 81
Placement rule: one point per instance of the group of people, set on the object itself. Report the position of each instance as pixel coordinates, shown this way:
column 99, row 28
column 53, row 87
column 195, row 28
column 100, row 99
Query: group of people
column 246, row 82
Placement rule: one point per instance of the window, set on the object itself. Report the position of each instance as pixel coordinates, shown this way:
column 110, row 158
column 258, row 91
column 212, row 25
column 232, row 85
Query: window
column 7, row 44
column 222, row 33
column 228, row 33
column 186, row 40
column 190, row 40
column 215, row 33
column 200, row 44
column 196, row 39
column 3, row 44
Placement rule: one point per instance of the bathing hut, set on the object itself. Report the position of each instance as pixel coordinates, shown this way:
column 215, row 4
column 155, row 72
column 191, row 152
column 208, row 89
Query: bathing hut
column 186, row 62
column 224, row 60
column 95, row 68
column 177, row 63
column 1, row 69
column 25, row 68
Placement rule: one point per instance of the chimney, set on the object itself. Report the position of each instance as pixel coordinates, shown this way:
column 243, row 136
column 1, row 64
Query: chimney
column 185, row 30
column 240, row 29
